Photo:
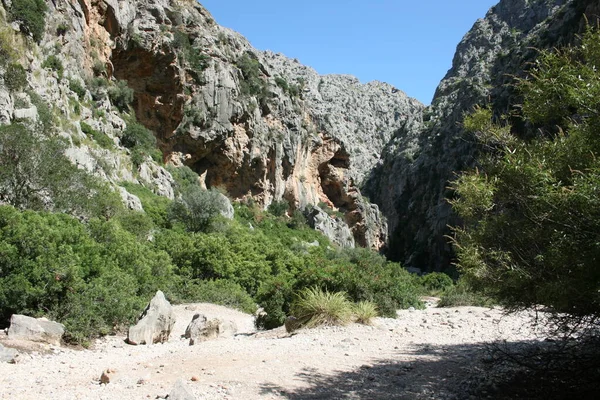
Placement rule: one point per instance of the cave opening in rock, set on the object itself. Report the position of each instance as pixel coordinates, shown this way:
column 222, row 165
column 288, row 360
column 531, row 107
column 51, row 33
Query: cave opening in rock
column 158, row 90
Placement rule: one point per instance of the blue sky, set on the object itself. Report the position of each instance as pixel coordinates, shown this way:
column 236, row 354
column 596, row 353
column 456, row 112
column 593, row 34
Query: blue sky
column 409, row 44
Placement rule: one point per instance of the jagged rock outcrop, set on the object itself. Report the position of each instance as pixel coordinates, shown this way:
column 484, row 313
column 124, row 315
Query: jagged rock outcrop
column 411, row 185
column 253, row 123
column 155, row 323
column 42, row 330
column 256, row 124
column 200, row 329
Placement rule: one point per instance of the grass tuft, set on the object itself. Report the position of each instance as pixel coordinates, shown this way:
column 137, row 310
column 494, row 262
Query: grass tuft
column 314, row 307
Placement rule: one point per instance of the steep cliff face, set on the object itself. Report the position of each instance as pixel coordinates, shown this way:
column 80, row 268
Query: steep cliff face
column 256, row 124
column 411, row 185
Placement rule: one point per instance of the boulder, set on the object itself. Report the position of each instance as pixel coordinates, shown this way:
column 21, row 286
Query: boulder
column 155, row 323
column 180, row 391
column 201, row 329
column 23, row 327
column 8, row 355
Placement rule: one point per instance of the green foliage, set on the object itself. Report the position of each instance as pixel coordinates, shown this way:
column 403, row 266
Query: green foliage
column 137, row 135
column 77, row 87
column 365, row 275
column 191, row 56
column 142, row 143
column 531, row 211
column 197, row 208
column 7, row 48
column 222, row 292
column 15, row 77
column 292, row 90
column 62, row 29
column 31, row 15
column 252, row 83
column 45, row 117
column 54, row 63
column 462, row 294
column 184, row 177
column 92, row 278
column 364, row 312
column 278, row 208
column 120, row 95
column 436, row 282
column 314, row 307
column 101, row 138
column 28, row 178
column 154, row 205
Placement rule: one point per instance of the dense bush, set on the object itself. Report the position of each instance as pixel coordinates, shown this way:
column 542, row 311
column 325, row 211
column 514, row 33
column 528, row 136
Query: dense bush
column 197, row 208
column 191, row 56
column 252, row 83
column 15, row 77
column 54, row 63
column 532, row 209
column 101, row 138
column 436, row 282
column 31, row 15
column 28, row 179
column 77, row 87
column 120, row 95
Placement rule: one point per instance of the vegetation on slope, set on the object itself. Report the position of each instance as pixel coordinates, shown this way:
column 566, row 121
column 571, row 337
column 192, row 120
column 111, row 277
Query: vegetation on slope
column 531, row 209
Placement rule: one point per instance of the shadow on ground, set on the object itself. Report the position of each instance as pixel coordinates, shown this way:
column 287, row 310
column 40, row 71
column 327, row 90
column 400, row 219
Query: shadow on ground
column 474, row 371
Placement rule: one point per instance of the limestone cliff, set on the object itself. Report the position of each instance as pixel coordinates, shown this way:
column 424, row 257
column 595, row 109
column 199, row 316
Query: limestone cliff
column 411, row 185
column 256, row 124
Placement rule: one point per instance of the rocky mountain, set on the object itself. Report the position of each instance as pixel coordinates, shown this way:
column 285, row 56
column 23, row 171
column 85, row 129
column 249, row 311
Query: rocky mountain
column 255, row 124
column 411, row 185
column 260, row 126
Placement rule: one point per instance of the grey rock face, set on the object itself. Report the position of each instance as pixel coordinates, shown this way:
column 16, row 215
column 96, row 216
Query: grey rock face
column 8, row 355
column 201, row 329
column 180, row 391
column 332, row 227
column 155, row 324
column 131, row 201
column 411, row 185
column 23, row 327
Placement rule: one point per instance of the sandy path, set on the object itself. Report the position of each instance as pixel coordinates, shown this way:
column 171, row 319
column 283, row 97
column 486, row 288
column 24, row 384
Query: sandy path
column 420, row 355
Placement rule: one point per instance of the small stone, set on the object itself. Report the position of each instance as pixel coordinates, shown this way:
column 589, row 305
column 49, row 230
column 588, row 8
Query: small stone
column 195, row 378
column 106, row 376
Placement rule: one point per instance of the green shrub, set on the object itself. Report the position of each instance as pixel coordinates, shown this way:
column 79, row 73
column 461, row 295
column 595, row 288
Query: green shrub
column 77, row 87
column 463, row 295
column 31, row 15
column 252, row 83
column 436, row 282
column 184, row 177
column 314, row 307
column 189, row 54
column 278, row 208
column 137, row 135
column 154, row 205
column 54, row 63
column 220, row 291
column 364, row 275
column 15, row 77
column 62, row 29
column 364, row 312
column 197, row 208
column 45, row 116
column 121, row 95
column 101, row 138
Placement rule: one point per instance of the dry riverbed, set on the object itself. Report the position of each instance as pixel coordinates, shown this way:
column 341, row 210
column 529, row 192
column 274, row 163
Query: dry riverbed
column 422, row 354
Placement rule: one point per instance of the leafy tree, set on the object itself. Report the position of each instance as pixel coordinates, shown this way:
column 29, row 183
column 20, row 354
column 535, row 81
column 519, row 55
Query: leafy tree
column 31, row 15
column 531, row 210
column 197, row 208
column 121, row 95
column 44, row 178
